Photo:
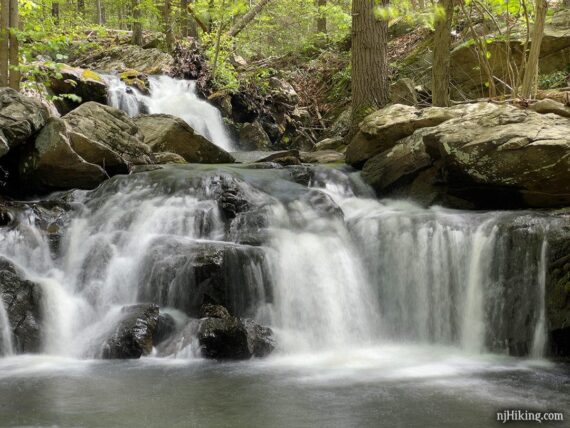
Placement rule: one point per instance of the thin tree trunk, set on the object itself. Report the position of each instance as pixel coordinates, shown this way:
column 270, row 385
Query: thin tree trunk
column 248, row 17
column 321, row 19
column 99, row 12
column 441, row 56
column 14, row 54
column 529, row 83
column 205, row 28
column 369, row 60
column 137, row 24
column 81, row 7
column 218, row 40
column 4, row 41
column 168, row 31
column 55, row 12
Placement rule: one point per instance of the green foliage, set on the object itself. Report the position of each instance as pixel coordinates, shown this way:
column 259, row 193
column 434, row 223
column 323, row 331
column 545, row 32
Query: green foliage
column 558, row 79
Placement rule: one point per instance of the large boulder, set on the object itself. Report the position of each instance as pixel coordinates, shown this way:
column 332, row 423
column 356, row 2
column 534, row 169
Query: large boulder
column 224, row 337
column 21, row 118
column 22, row 301
column 84, row 83
column 83, row 148
column 253, row 137
column 133, row 336
column 381, row 130
column 501, row 150
column 166, row 133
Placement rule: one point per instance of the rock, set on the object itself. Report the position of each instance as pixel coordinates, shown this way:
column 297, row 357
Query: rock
column 550, row 106
column 166, row 133
column 253, row 137
column 53, row 164
column 102, row 130
column 223, row 337
column 21, row 118
column 165, row 328
column 500, row 154
column 341, row 126
column 22, row 300
column 168, row 157
column 136, row 79
column 322, row 156
column 333, row 143
column 147, row 61
column 403, row 92
column 223, row 101
column 133, row 336
column 285, row 158
column 283, row 91
column 381, row 130
column 84, row 83
column 402, row 161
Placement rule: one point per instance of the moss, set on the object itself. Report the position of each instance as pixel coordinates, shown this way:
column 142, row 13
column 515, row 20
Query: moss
column 91, row 75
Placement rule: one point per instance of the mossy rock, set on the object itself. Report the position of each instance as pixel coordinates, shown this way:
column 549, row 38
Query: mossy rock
column 136, row 79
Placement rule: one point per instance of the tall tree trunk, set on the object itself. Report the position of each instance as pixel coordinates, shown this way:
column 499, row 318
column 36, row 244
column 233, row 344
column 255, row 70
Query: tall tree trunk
column 4, row 41
column 137, row 24
column 248, row 17
column 55, row 12
column 530, row 78
column 188, row 25
column 14, row 54
column 321, row 19
column 81, row 7
column 99, row 12
column 168, row 31
column 369, row 60
column 441, row 56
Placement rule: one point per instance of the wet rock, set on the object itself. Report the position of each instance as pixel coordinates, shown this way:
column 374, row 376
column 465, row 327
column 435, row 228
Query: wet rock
column 224, row 337
column 136, row 79
column 84, row 83
column 334, row 143
column 166, row 133
column 168, row 157
column 253, row 137
column 165, row 328
column 22, row 300
column 285, row 158
column 133, row 336
column 21, row 118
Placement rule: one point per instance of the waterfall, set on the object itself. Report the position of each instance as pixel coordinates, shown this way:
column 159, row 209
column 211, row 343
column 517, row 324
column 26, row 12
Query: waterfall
column 325, row 265
column 6, row 347
column 171, row 96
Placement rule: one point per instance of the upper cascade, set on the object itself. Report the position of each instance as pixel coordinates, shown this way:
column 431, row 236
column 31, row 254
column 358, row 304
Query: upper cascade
column 171, row 96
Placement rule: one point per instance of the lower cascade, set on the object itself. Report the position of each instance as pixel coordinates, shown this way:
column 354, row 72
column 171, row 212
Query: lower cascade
column 304, row 250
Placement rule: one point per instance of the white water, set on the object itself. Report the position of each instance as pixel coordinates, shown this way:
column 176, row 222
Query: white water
column 6, row 347
column 171, row 96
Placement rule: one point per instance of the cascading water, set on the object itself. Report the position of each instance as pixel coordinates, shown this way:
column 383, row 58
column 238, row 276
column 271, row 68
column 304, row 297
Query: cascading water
column 323, row 266
column 5, row 332
column 171, row 96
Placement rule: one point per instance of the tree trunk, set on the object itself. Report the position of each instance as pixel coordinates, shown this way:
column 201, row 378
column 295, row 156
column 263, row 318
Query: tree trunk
column 81, row 7
column 441, row 56
column 321, row 19
column 168, row 31
column 99, row 12
column 55, row 12
column 14, row 54
column 137, row 24
column 248, row 17
column 369, row 60
column 530, row 78
column 4, row 41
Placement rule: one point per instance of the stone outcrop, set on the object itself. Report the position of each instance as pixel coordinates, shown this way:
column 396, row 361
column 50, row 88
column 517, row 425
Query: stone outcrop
column 485, row 154
column 166, row 133
column 133, row 336
column 83, row 83
column 21, row 118
column 22, row 300
column 83, row 148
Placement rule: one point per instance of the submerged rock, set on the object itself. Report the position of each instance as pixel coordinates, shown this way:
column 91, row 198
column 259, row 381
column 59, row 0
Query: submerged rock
column 133, row 336
column 224, row 337
column 166, row 133
column 22, row 300
column 21, row 118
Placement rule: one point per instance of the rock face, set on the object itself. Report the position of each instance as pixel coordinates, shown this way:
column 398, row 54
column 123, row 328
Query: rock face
column 120, row 58
column 136, row 79
column 488, row 155
column 133, row 336
column 22, row 301
column 381, row 130
column 253, row 137
column 21, row 118
column 165, row 133
column 224, row 337
column 86, row 84
column 84, row 148
column 558, row 294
